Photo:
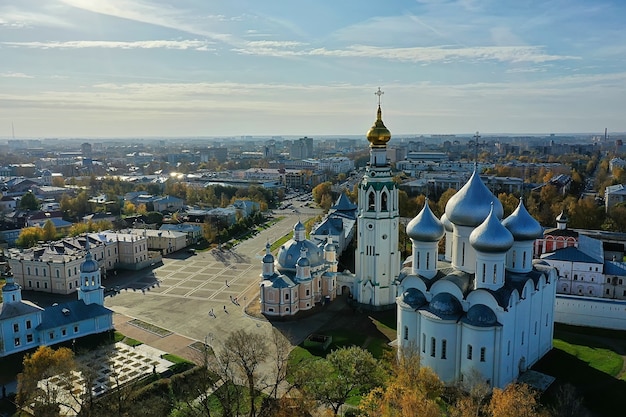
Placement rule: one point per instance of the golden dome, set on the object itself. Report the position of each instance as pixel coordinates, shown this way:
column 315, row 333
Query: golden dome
column 378, row 135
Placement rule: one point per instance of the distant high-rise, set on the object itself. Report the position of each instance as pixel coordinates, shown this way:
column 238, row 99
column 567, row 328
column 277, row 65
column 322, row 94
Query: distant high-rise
column 302, row 148
column 85, row 149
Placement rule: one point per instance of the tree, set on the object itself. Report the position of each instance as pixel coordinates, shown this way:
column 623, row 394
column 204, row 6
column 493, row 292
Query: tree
column 129, row 208
column 29, row 237
column 409, row 387
column 36, row 390
column 443, row 200
column 246, row 351
column 515, row 400
column 49, row 231
column 321, row 190
column 29, row 202
column 343, row 373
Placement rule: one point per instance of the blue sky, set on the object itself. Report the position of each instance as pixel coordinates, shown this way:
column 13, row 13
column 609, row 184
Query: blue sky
column 123, row 68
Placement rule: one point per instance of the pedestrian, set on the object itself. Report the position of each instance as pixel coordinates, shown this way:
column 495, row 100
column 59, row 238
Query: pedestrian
column 227, row 283
column 224, row 308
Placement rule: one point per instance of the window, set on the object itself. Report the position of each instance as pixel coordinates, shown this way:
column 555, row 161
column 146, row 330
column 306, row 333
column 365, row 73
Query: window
column 535, row 327
column 44, row 272
column 524, row 259
column 17, row 341
column 418, row 260
column 575, row 277
column 444, row 348
column 29, row 338
column 28, row 270
column 433, row 346
column 522, row 338
column 508, row 348
column 16, row 327
column 513, row 259
column 383, row 202
column 423, row 342
column 30, row 283
column 37, row 284
column 463, row 254
column 308, row 292
column 495, row 273
column 427, row 260
column 484, row 271
column 286, row 296
column 371, row 205
column 406, row 333
column 469, row 352
column 482, row 354
column 28, row 324
column 45, row 284
column 58, row 273
column 69, row 272
column 63, row 332
column 51, row 335
column 75, row 329
column 608, row 292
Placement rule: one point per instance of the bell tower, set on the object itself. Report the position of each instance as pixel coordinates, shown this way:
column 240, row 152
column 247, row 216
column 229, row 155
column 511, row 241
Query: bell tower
column 377, row 258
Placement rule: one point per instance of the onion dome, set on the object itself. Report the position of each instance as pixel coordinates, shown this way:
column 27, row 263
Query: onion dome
column 447, row 224
column 413, row 298
column 445, row 304
column 298, row 226
column 268, row 258
column 289, row 253
column 330, row 246
column 491, row 236
column 378, row 135
column 89, row 265
column 425, row 227
column 522, row 225
column 472, row 203
column 481, row 316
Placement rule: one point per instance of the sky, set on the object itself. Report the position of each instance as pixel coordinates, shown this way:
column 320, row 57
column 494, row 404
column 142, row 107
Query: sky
column 193, row 68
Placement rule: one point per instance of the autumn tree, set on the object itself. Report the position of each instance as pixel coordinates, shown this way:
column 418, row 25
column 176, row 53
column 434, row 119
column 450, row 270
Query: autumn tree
column 408, row 387
column 35, row 388
column 320, row 190
column 443, row 200
column 49, row 231
column 515, row 400
column 29, row 236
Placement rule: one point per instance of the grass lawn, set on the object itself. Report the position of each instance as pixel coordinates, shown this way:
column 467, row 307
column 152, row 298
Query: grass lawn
column 604, row 360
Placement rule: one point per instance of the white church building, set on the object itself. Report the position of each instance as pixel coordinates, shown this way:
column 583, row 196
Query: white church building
column 25, row 325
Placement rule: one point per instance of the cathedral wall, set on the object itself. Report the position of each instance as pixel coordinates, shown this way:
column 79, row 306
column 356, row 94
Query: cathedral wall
column 440, row 346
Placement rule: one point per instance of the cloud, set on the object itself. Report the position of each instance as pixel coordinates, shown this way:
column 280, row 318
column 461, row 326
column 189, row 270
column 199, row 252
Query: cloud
column 199, row 45
column 15, row 75
column 144, row 12
column 428, row 55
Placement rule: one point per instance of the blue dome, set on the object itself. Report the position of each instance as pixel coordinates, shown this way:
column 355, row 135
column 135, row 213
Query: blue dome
column 413, row 297
column 303, row 262
column 89, row 265
column 481, row 316
column 425, row 227
column 289, row 253
column 470, row 206
column 299, row 226
column 522, row 225
column 445, row 304
column 491, row 236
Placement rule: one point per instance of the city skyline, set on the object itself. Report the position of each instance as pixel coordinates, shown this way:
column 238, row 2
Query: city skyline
column 148, row 68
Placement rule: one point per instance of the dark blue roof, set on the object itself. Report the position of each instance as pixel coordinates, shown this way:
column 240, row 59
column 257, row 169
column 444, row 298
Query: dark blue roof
column 480, row 315
column 330, row 226
column 570, row 254
column 615, row 268
column 344, row 204
column 70, row 313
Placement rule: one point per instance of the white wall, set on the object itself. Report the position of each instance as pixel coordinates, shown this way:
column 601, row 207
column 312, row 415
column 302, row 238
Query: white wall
column 591, row 312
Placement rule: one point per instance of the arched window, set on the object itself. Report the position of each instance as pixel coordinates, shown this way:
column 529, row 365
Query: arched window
column 28, row 270
column 427, row 260
column 444, row 347
column 524, row 259
column 371, row 201
column 36, row 272
column 423, row 342
column 406, row 333
column 383, row 202
column 484, row 272
column 58, row 273
column 495, row 274
column 433, row 346
column 463, row 254
column 483, row 352
column 469, row 352
column 418, row 260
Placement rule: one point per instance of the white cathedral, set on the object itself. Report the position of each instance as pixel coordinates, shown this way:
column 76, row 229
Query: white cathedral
column 484, row 306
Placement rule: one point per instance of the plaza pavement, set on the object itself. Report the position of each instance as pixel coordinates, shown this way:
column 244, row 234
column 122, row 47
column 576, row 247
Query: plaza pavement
column 180, row 294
